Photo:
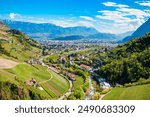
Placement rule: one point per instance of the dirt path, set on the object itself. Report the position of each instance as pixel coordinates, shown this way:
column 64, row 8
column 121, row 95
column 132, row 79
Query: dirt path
column 49, row 78
column 102, row 96
column 5, row 63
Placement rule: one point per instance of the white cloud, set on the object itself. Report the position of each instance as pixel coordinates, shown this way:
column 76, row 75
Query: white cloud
column 85, row 23
column 13, row 15
column 64, row 22
column 122, row 18
column 87, row 18
column 114, row 16
column 113, row 4
column 71, row 23
column 144, row 3
column 114, row 28
column 109, row 3
column 134, row 12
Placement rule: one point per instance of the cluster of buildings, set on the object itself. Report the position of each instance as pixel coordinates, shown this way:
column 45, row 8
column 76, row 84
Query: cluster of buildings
column 33, row 61
column 86, row 67
column 74, row 59
column 32, row 82
column 74, row 45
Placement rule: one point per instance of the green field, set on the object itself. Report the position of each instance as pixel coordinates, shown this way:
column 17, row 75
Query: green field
column 57, row 86
column 140, row 92
column 53, row 84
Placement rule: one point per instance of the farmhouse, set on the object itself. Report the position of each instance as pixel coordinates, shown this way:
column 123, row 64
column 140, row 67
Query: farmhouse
column 72, row 77
column 32, row 61
column 55, row 68
column 32, row 82
column 81, row 57
column 85, row 67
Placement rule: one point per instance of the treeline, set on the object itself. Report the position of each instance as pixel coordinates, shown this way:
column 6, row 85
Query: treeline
column 129, row 62
column 13, row 91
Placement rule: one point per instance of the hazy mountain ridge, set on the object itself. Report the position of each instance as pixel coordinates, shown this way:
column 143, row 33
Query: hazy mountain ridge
column 141, row 31
column 51, row 31
column 103, row 37
column 68, row 38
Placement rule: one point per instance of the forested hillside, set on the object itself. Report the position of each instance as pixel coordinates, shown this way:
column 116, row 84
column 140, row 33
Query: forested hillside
column 129, row 62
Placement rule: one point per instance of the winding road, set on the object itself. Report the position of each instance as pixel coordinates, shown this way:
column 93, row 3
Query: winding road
column 68, row 93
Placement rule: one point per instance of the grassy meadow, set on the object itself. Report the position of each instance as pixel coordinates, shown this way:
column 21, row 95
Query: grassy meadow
column 139, row 92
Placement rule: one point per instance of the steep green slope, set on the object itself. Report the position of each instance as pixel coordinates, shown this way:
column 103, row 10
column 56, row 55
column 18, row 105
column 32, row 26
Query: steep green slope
column 22, row 80
column 129, row 62
column 17, row 45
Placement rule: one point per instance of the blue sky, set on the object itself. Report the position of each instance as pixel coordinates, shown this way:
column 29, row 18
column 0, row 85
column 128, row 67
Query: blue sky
column 111, row 16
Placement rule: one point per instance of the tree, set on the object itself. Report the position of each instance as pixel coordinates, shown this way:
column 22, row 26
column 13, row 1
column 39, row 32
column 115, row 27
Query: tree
column 96, row 96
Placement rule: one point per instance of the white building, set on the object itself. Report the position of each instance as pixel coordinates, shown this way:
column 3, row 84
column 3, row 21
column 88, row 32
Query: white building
column 105, row 85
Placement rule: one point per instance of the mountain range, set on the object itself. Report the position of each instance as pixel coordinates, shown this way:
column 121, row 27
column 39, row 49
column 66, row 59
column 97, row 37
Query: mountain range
column 53, row 32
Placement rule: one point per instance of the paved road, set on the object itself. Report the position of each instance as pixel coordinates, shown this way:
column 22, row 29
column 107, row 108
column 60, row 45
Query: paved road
column 68, row 93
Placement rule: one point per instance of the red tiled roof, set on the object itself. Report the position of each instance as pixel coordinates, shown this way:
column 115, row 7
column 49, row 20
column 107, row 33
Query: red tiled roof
column 85, row 66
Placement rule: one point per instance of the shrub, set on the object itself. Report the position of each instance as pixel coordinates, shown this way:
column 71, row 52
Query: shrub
column 96, row 96
column 105, row 91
